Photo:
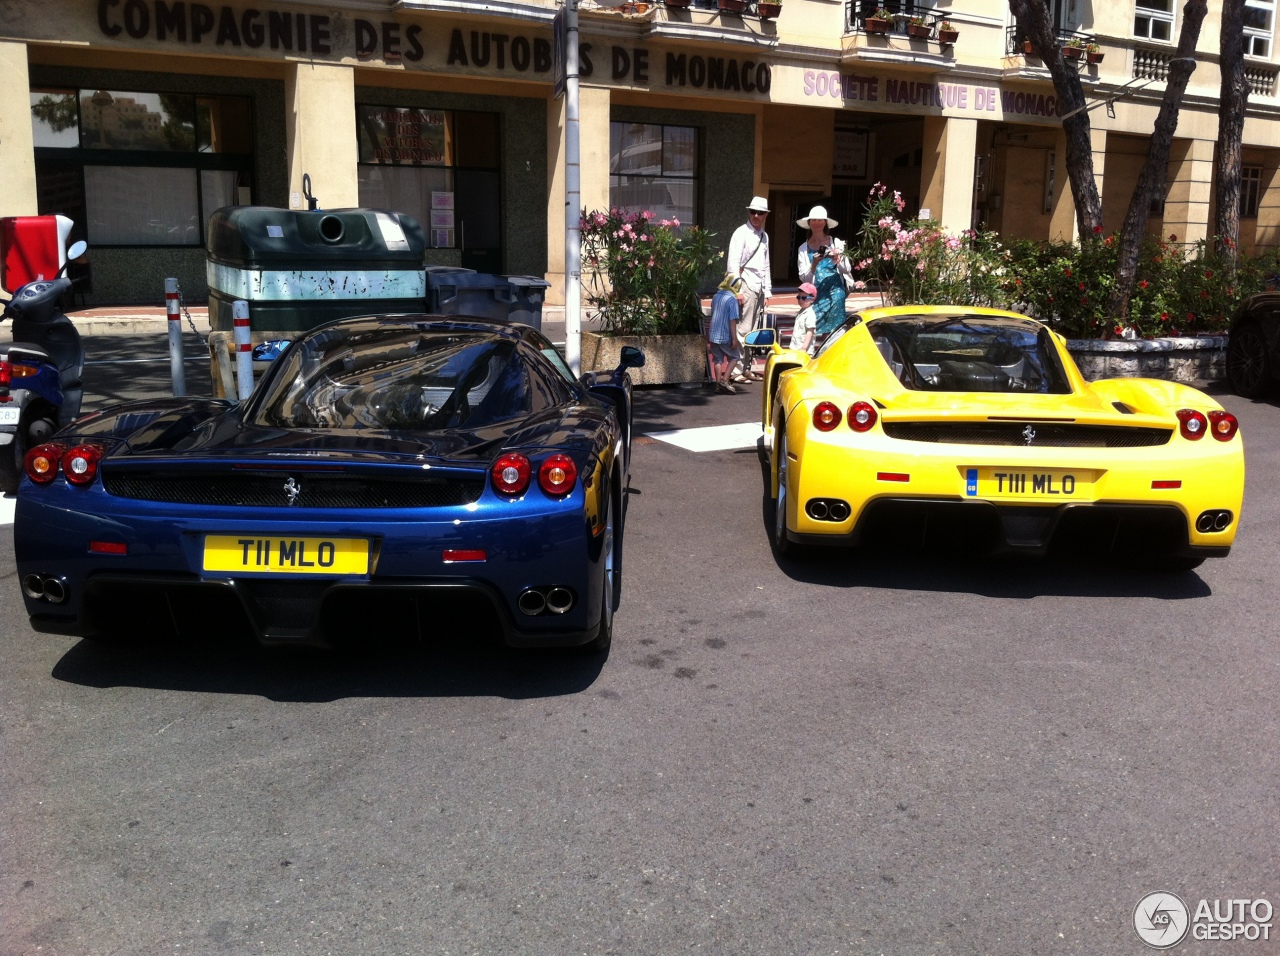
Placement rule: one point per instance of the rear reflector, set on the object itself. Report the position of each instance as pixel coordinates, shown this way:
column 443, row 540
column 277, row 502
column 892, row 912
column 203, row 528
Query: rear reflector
column 892, row 476
column 1165, row 485
column 108, row 547
column 451, row 555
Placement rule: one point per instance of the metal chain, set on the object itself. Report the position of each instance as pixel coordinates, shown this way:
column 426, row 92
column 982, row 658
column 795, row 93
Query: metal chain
column 182, row 305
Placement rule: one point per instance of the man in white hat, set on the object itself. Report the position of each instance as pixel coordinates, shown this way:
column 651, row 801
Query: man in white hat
column 749, row 259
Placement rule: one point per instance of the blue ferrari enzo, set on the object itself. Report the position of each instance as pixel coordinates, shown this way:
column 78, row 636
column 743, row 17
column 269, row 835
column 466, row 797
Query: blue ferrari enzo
column 386, row 471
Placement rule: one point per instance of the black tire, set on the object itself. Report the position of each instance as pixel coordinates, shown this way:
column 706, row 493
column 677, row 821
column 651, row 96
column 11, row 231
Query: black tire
column 11, row 460
column 1174, row 564
column 1249, row 371
column 781, row 543
column 610, row 586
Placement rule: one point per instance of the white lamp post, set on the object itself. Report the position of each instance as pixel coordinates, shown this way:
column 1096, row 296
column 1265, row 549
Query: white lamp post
column 573, row 191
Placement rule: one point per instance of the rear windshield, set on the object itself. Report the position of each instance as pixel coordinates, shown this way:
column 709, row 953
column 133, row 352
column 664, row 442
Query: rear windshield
column 970, row 354
column 398, row 379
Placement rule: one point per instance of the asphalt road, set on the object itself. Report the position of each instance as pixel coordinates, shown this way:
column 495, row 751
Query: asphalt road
column 850, row 754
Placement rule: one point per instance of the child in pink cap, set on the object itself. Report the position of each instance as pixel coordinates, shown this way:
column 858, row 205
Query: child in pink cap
column 802, row 336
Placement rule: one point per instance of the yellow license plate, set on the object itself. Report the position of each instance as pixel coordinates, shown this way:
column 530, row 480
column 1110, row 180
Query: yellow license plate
column 228, row 552
column 1049, row 484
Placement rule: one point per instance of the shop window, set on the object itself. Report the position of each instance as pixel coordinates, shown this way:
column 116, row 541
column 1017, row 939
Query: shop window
column 1259, row 26
column 140, row 169
column 1153, row 19
column 442, row 168
column 654, row 167
column 1250, row 191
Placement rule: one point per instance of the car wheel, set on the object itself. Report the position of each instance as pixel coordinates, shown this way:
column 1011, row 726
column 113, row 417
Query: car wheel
column 11, row 460
column 1248, row 364
column 1175, row 564
column 610, row 585
column 780, row 541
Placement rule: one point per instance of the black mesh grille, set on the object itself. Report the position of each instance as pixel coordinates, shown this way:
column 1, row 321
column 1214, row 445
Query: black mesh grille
column 285, row 604
column 314, row 491
column 1066, row 434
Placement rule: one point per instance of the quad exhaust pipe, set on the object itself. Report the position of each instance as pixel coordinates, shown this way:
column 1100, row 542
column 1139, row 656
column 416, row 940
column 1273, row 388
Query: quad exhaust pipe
column 45, row 587
column 546, row 599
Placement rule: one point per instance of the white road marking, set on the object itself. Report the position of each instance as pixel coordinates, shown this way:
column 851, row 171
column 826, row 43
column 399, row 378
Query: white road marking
column 6, row 508
column 713, row 437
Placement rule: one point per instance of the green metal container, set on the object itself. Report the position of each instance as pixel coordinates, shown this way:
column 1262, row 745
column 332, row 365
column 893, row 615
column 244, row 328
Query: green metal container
column 299, row 269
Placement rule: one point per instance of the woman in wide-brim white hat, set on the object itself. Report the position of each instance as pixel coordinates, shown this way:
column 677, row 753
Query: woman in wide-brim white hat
column 821, row 260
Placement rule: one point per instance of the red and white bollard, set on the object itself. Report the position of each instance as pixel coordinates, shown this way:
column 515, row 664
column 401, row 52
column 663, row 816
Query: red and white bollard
column 244, row 349
column 176, row 371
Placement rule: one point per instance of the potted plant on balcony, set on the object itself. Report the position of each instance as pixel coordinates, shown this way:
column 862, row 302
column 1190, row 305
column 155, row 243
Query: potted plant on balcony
column 768, row 11
column 1093, row 53
column 878, row 22
column 947, row 34
column 642, row 276
column 1073, row 49
column 732, row 6
column 918, row 28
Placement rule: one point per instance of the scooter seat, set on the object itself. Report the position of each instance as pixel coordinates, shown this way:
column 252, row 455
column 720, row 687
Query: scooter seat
column 18, row 350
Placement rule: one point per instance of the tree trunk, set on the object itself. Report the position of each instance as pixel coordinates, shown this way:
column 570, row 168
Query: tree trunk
column 1155, row 173
column 1231, row 106
column 1033, row 19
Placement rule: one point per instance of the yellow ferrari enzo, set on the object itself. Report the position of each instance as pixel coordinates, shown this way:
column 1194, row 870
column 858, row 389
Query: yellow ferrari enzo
column 975, row 424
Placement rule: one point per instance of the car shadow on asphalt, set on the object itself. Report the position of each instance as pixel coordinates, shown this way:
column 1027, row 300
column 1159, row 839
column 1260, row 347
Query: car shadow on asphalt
column 301, row 675
column 659, row 407
column 950, row 567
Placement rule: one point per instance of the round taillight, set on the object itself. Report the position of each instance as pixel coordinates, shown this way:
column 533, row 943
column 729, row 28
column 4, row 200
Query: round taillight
column 80, row 464
column 41, row 462
column 826, row 417
column 511, row 474
column 862, row 415
column 1192, row 424
column 1223, row 425
column 557, row 475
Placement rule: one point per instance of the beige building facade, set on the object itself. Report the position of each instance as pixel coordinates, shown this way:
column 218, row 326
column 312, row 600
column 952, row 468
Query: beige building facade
column 138, row 118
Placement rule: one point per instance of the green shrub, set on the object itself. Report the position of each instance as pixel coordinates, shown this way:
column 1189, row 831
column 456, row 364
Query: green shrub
column 644, row 275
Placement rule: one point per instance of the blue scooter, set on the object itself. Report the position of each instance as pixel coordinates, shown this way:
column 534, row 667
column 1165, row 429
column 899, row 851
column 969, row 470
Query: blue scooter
column 40, row 371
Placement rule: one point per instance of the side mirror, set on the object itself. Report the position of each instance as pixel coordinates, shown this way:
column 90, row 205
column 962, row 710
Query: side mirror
column 631, row 357
column 77, row 250
column 270, row 351
column 762, row 338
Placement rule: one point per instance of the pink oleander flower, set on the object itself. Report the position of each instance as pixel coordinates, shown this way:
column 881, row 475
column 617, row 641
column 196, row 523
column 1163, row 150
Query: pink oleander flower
column 646, row 214
column 859, row 284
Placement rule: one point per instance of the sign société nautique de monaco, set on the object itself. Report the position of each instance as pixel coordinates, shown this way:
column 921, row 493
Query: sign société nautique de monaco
column 428, row 45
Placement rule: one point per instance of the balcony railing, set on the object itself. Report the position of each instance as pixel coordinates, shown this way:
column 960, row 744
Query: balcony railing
column 913, row 22
column 763, row 9
column 1017, row 42
column 1262, row 82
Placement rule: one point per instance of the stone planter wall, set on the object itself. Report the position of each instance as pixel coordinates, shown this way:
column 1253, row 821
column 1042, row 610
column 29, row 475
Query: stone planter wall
column 1188, row 360
column 668, row 359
